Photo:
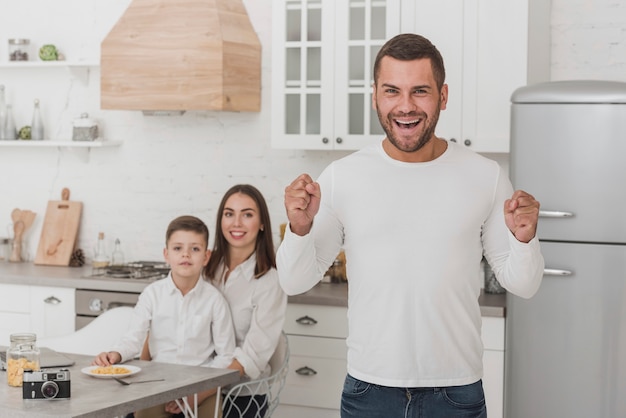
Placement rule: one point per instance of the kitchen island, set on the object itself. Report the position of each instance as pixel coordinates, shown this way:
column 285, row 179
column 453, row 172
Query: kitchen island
column 105, row 398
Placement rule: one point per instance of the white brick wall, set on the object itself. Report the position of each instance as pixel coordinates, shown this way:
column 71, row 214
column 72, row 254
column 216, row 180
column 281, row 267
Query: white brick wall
column 589, row 39
column 168, row 166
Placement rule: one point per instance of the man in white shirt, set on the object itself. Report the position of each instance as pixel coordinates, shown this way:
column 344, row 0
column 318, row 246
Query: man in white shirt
column 414, row 214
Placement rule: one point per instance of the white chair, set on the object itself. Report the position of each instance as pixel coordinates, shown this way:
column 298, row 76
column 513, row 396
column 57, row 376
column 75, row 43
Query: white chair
column 271, row 386
column 95, row 337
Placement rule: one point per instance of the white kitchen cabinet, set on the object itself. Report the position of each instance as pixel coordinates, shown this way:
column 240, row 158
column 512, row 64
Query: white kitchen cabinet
column 490, row 48
column 493, row 364
column 46, row 311
column 14, row 311
column 323, row 54
column 317, row 364
column 324, row 50
column 52, row 311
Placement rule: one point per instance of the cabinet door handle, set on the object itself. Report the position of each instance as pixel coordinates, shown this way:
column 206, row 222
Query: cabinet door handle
column 52, row 300
column 467, row 142
column 556, row 272
column 306, row 371
column 306, row 320
column 112, row 305
column 554, row 214
column 325, row 140
column 339, row 140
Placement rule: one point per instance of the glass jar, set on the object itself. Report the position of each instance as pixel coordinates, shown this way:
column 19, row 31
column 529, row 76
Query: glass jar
column 5, row 249
column 18, row 49
column 23, row 354
column 492, row 285
column 85, row 129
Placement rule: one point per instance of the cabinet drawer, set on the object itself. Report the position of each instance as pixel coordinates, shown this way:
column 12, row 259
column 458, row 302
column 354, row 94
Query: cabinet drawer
column 332, row 348
column 316, row 320
column 52, row 310
column 317, row 368
column 14, row 298
column 493, row 333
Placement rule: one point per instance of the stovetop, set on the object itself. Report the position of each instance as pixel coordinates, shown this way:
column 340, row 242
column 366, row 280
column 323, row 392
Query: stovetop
column 138, row 270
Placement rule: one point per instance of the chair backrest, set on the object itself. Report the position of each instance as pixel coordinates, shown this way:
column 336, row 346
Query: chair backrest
column 270, row 386
column 95, row 337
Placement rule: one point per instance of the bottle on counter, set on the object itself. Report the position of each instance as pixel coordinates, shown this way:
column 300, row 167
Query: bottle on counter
column 10, row 131
column 5, row 249
column 117, row 258
column 36, row 126
column 3, row 112
column 23, row 354
column 100, row 258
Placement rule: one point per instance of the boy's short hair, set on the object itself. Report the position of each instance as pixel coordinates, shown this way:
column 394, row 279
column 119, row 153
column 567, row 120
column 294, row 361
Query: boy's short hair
column 187, row 223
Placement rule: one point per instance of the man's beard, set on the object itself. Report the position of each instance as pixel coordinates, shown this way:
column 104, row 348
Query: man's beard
column 422, row 140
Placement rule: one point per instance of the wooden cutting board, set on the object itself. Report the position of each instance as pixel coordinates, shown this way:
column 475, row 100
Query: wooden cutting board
column 59, row 231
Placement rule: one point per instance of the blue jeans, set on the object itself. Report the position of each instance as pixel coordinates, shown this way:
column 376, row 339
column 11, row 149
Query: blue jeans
column 365, row 400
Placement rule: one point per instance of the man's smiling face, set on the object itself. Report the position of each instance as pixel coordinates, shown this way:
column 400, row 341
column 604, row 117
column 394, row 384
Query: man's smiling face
column 408, row 102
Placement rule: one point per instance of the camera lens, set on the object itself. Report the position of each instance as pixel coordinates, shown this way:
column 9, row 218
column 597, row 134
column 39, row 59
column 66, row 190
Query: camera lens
column 49, row 389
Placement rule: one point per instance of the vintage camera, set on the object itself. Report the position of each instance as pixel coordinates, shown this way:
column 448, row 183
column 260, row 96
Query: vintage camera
column 46, row 384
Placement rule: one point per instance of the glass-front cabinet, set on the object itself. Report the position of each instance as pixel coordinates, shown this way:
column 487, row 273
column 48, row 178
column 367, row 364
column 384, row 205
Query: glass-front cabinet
column 323, row 54
column 324, row 51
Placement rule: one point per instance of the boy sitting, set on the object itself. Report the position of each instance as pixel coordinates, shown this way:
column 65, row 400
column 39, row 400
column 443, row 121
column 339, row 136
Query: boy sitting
column 186, row 320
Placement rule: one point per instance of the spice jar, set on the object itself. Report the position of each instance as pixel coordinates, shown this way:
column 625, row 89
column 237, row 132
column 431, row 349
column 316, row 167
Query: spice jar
column 18, row 49
column 85, row 129
column 22, row 355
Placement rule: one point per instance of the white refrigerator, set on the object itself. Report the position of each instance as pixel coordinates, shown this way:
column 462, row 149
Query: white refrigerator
column 566, row 346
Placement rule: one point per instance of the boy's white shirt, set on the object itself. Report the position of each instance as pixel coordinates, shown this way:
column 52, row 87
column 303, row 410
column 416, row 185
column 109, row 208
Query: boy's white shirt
column 195, row 329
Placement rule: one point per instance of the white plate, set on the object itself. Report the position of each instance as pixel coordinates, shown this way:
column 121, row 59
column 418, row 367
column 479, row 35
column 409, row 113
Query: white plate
column 133, row 370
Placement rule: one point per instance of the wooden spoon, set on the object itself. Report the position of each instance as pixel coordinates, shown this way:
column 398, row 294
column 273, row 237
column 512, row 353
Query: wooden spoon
column 15, row 215
column 28, row 217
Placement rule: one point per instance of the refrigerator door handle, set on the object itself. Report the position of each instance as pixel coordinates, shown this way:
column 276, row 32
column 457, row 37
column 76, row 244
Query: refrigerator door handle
column 556, row 272
column 555, row 214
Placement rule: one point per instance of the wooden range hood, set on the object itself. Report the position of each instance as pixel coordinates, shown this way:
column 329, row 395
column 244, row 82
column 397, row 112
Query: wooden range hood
column 177, row 55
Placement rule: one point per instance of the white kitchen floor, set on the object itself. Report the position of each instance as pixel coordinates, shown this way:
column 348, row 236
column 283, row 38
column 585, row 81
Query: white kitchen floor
column 287, row 411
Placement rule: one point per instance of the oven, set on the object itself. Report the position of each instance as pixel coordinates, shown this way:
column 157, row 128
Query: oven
column 90, row 303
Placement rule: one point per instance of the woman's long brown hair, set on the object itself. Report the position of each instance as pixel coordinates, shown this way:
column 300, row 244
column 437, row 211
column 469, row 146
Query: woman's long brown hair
column 264, row 247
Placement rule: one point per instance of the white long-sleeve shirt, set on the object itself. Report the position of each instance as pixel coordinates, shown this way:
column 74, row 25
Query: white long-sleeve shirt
column 414, row 235
column 195, row 329
column 258, row 310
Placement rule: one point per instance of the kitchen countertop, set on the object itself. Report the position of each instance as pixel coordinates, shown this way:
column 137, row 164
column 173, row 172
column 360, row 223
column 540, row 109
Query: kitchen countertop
column 332, row 294
column 70, row 277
